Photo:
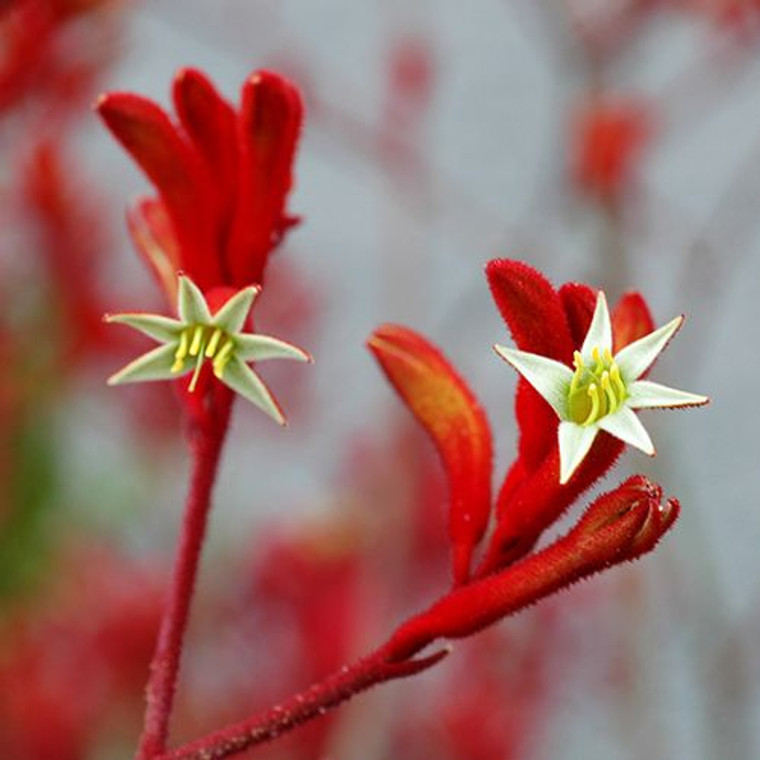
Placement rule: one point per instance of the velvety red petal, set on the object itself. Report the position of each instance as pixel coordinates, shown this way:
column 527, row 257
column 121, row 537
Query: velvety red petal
column 578, row 301
column 536, row 319
column 531, row 308
column 211, row 125
column 268, row 129
column 631, row 320
column 451, row 415
column 177, row 172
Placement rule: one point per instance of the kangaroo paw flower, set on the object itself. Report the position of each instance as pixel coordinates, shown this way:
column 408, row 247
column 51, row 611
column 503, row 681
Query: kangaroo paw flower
column 198, row 337
column 603, row 390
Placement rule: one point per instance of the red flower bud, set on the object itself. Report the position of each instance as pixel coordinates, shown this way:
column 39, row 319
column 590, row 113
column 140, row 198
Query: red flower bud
column 448, row 410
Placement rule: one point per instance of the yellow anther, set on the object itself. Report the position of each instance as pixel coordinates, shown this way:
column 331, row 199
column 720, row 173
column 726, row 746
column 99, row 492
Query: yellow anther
column 181, row 353
column 607, row 388
column 593, row 415
column 223, row 357
column 608, row 356
column 577, row 360
column 195, row 346
column 617, row 381
column 213, row 344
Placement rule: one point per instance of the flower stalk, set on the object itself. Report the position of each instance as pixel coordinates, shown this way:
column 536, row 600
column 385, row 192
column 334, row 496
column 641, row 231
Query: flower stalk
column 207, row 436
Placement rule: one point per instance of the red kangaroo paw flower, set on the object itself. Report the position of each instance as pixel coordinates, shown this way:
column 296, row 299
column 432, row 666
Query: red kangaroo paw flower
column 223, row 177
column 531, row 498
column 176, row 170
column 533, row 312
column 447, row 409
column 269, row 126
column 618, row 526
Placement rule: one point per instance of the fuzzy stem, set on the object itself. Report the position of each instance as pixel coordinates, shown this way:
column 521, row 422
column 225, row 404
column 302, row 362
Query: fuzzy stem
column 301, row 708
column 207, row 435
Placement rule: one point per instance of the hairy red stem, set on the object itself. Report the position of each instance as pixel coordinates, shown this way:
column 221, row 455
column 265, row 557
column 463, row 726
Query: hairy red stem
column 301, row 708
column 207, row 435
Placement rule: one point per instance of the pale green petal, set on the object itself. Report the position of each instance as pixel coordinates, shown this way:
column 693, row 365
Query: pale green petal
column 243, row 380
column 636, row 358
column 626, row 426
column 574, row 443
column 599, row 333
column 192, row 306
column 155, row 365
column 257, row 347
column 154, row 326
column 644, row 394
column 549, row 377
column 231, row 317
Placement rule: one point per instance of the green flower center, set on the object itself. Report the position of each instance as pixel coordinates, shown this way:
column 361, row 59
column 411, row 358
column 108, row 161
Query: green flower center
column 199, row 342
column 595, row 391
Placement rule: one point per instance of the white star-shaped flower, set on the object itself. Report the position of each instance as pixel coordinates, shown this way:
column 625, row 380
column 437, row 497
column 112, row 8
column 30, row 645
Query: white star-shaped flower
column 604, row 390
column 197, row 336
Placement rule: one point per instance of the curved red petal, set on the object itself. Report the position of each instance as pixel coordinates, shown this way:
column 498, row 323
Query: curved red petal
column 175, row 169
column 268, row 129
column 536, row 319
column 578, row 301
column 210, row 123
column 152, row 233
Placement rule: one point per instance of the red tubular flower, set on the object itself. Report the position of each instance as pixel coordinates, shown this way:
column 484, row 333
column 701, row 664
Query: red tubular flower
column 222, row 177
column 447, row 409
column 552, row 323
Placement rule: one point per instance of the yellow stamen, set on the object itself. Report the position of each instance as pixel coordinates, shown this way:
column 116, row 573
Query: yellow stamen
column 593, row 415
column 608, row 356
column 179, row 357
column 577, row 360
column 617, row 381
column 598, row 359
column 214, row 342
column 223, row 357
column 195, row 346
column 607, row 388
column 196, row 373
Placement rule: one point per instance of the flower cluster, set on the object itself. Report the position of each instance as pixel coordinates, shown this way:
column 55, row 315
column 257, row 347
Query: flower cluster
column 582, row 371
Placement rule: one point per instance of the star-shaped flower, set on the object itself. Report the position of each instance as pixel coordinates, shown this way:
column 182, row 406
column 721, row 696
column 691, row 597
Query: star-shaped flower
column 603, row 391
column 198, row 336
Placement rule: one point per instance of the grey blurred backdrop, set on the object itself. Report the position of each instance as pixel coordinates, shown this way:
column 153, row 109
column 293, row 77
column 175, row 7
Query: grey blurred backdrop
column 407, row 243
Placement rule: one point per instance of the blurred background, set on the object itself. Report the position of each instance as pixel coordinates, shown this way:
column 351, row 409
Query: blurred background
column 615, row 142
